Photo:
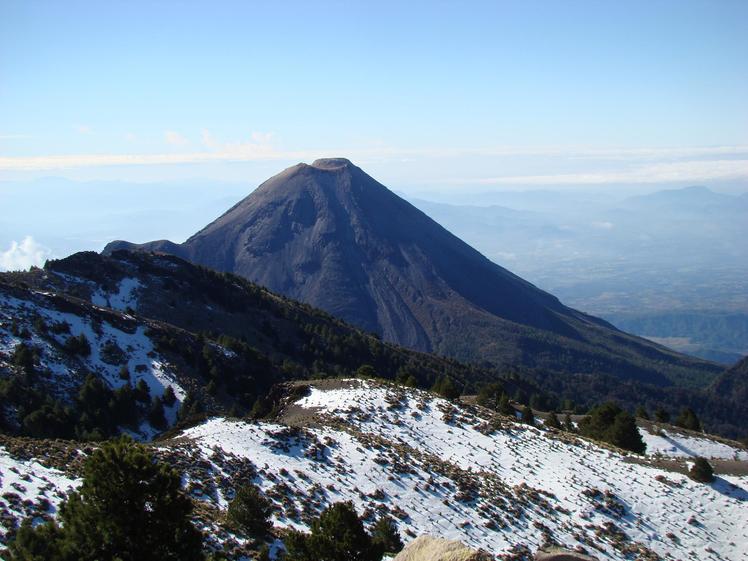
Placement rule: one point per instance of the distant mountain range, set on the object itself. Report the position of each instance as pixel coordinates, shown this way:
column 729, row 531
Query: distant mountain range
column 330, row 235
column 671, row 265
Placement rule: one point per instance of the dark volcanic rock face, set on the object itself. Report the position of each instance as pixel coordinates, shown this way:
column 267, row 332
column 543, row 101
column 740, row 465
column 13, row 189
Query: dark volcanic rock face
column 330, row 235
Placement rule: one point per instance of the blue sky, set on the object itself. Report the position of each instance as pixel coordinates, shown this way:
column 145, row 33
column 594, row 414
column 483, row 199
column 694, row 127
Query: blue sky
column 445, row 95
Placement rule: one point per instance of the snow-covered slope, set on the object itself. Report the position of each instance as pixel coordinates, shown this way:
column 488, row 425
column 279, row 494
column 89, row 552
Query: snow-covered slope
column 27, row 488
column 678, row 444
column 46, row 322
column 131, row 344
column 443, row 470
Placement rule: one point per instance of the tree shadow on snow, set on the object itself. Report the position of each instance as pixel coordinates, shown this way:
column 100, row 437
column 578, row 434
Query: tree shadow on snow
column 728, row 489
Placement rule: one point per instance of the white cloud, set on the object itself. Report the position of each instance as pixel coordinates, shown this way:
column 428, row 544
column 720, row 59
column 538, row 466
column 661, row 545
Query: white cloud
column 130, row 137
column 209, row 141
column 175, row 139
column 603, row 225
column 696, row 170
column 83, row 129
column 590, row 165
column 258, row 148
column 23, row 255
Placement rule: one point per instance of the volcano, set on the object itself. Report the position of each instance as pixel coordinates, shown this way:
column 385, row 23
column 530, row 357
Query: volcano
column 330, row 235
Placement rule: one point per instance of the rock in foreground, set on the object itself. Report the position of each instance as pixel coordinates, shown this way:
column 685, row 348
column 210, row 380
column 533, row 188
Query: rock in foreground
column 427, row 548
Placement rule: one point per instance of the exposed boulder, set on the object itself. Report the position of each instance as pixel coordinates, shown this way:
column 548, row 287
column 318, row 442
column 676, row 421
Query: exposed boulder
column 559, row 554
column 428, row 548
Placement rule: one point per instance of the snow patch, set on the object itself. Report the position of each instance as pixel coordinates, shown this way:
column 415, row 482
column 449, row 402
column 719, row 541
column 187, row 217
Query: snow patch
column 124, row 298
column 675, row 445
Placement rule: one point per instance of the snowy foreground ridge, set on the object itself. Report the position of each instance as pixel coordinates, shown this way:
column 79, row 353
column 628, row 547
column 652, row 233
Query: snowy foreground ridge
column 448, row 470
column 443, row 471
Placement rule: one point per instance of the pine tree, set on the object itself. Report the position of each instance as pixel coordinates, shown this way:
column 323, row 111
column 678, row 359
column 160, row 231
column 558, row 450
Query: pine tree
column 249, row 512
column 40, row 543
column 385, row 534
column 527, row 416
column 489, row 395
column 505, row 407
column 366, row 371
column 661, row 415
column 701, row 471
column 445, row 387
column 78, row 345
column 142, row 391
column 552, row 421
column 641, row 413
column 625, row 434
column 337, row 535
column 129, row 508
column 568, row 424
column 688, row 420
column 156, row 415
column 609, row 423
column 169, row 397
column 24, row 357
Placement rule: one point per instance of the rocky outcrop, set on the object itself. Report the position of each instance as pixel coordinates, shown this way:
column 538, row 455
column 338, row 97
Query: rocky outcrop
column 428, row 548
column 558, row 554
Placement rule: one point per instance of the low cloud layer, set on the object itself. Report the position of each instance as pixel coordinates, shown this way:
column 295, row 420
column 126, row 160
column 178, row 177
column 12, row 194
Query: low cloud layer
column 21, row 256
column 518, row 166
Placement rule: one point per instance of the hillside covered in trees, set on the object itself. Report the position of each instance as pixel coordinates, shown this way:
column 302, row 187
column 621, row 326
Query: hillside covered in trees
column 154, row 321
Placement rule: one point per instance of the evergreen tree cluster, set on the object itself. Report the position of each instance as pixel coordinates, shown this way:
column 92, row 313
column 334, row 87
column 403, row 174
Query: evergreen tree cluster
column 129, row 508
column 446, row 388
column 339, row 535
column 97, row 412
column 249, row 513
column 688, row 420
column 609, row 423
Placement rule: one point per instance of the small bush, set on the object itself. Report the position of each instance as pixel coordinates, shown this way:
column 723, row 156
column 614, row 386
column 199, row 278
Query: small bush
column 552, row 421
column 385, row 535
column 527, row 416
column 77, row 345
column 249, row 512
column 701, row 471
column 169, row 397
column 688, row 420
column 24, row 356
column 445, row 387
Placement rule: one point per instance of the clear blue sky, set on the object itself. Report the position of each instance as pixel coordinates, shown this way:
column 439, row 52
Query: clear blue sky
column 454, row 93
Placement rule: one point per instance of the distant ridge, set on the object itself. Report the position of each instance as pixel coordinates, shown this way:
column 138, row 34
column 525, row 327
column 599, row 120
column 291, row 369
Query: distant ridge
column 330, row 235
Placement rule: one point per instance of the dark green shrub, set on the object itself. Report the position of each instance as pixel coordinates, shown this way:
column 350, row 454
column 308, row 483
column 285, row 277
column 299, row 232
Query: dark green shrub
column 527, row 415
column 385, row 535
column 688, row 420
column 445, row 387
column 129, row 508
column 552, row 421
column 156, row 415
column 24, row 356
column 169, row 398
column 337, row 535
column 249, row 512
column 701, row 471
column 77, row 345
column 609, row 423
